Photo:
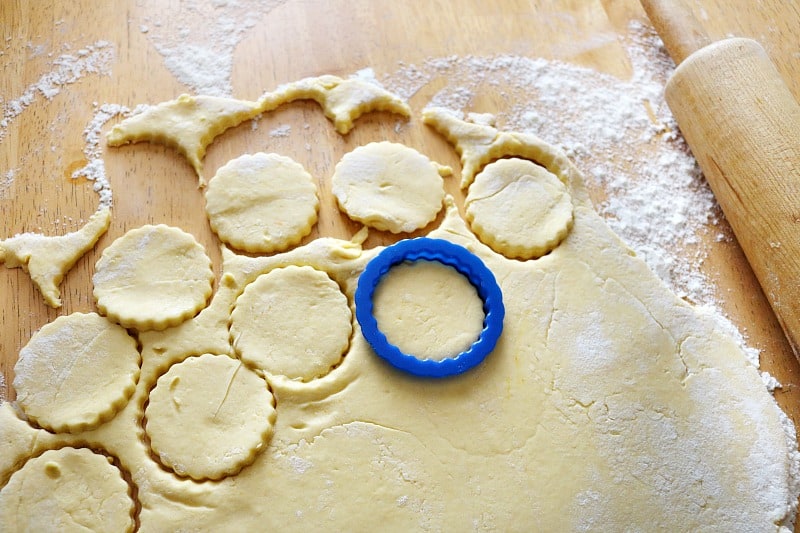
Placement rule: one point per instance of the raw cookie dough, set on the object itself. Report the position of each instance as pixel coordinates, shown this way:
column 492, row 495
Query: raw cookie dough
column 608, row 404
column 153, row 277
column 262, row 203
column 342, row 100
column 209, row 416
column 519, row 208
column 188, row 124
column 76, row 372
column 388, row 186
column 293, row 322
column 428, row 310
column 47, row 259
column 66, row 490
column 479, row 143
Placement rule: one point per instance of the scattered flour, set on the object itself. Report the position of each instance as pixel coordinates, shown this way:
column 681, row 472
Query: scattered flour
column 281, row 131
column 7, row 180
column 67, row 69
column 203, row 60
column 95, row 169
column 659, row 204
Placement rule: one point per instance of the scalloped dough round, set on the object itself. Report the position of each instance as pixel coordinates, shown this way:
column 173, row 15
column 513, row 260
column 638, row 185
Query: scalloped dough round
column 153, row 277
column 214, row 397
column 262, row 203
column 76, row 372
column 293, row 322
column 69, row 489
column 428, row 310
column 519, row 208
column 388, row 186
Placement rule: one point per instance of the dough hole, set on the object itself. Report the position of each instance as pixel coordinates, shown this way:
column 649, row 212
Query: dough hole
column 428, row 310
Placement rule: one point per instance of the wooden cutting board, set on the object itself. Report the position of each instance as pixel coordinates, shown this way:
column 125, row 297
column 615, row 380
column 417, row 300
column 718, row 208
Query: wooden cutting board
column 289, row 40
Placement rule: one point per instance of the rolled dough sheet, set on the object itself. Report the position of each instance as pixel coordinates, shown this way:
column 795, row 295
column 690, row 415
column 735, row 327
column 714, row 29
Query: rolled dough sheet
column 609, row 404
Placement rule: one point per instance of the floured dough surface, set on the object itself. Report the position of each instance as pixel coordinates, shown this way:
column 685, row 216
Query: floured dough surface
column 48, row 258
column 153, row 277
column 76, row 372
column 262, row 203
column 293, row 322
column 428, row 310
column 209, row 416
column 388, row 186
column 70, row 490
column 519, row 208
column 608, row 403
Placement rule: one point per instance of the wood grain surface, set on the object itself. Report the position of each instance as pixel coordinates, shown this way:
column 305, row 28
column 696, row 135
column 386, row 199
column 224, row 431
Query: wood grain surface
column 290, row 40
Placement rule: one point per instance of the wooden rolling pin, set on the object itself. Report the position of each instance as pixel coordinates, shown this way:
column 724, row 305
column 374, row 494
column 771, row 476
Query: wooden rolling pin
column 743, row 126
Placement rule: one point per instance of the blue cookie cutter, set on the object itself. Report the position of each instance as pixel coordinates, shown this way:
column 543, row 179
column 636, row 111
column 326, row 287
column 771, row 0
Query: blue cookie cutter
column 447, row 253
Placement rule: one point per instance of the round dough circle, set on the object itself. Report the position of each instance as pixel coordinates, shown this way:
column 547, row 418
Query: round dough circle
column 215, row 397
column 76, row 372
column 388, row 186
column 262, row 203
column 69, row 489
column 292, row 321
column 153, row 277
column 519, row 209
column 428, row 309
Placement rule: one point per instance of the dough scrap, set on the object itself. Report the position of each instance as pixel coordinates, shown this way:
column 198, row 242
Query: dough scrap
column 76, row 372
column 479, row 144
column 69, row 489
column 188, row 124
column 153, row 277
column 209, row 416
column 518, row 208
column 388, row 186
column 428, row 310
column 293, row 322
column 48, row 258
column 342, row 100
column 262, row 203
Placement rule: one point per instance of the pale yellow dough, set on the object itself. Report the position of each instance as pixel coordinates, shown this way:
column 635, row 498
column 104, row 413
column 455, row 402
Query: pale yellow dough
column 191, row 123
column 608, row 404
column 188, row 123
column 67, row 490
column 388, row 186
column 76, row 372
column 480, row 143
column 519, row 208
column 293, row 322
column 209, row 416
column 342, row 100
column 428, row 310
column 262, row 203
column 48, row 258
column 153, row 277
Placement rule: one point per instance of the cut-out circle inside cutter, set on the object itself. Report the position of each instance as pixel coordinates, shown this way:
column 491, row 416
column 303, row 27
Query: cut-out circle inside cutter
column 447, row 253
